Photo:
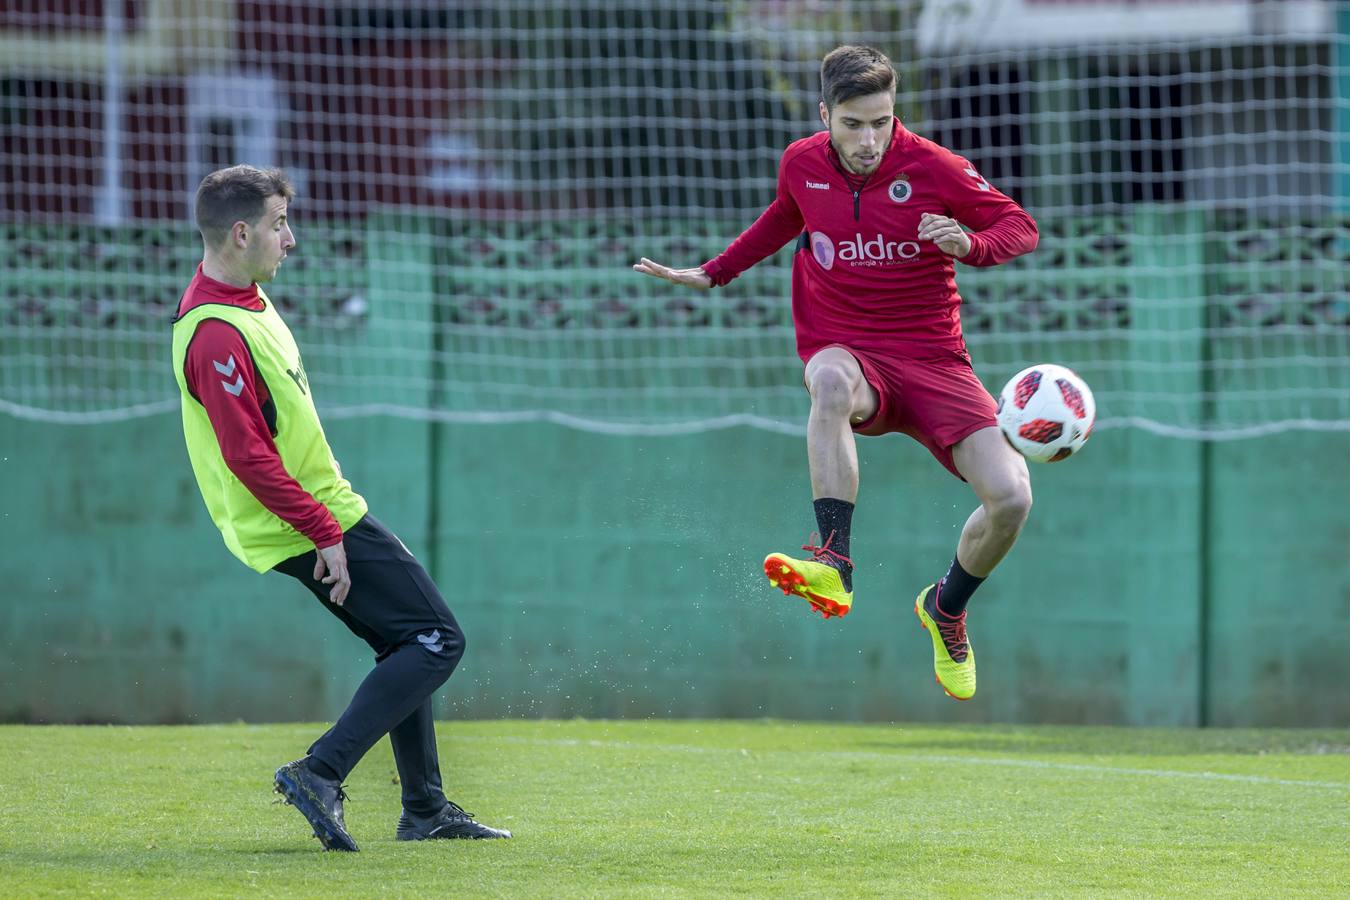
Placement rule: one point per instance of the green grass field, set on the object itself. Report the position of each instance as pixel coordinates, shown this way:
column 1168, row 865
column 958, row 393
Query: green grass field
column 694, row 808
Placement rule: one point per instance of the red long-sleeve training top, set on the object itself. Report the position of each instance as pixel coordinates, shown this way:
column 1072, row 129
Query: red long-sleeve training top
column 864, row 278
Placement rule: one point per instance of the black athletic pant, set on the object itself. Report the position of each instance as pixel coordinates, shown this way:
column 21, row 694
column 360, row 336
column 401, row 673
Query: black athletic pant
column 393, row 606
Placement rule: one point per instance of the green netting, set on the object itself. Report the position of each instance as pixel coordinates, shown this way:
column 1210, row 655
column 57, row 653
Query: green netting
column 1204, row 324
column 474, row 180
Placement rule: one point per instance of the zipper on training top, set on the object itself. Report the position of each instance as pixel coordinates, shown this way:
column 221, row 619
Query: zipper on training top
column 857, row 191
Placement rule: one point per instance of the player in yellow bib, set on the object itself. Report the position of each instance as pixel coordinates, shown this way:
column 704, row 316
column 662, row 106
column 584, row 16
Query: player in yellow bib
column 273, row 488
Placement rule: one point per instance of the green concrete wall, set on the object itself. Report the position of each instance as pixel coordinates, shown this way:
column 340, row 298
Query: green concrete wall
column 1159, row 581
column 619, row 576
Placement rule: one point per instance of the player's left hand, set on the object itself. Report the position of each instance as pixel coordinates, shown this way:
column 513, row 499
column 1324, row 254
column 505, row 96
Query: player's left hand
column 333, row 560
column 946, row 232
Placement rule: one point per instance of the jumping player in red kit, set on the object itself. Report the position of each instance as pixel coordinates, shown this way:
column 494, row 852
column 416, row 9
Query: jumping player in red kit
column 877, row 212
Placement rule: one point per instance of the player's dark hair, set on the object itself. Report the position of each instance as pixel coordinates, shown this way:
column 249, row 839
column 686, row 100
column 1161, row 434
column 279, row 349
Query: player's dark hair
column 236, row 194
column 854, row 71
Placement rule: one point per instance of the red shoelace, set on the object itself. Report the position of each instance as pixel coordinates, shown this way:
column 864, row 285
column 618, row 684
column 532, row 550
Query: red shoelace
column 953, row 633
column 823, row 553
column 952, row 630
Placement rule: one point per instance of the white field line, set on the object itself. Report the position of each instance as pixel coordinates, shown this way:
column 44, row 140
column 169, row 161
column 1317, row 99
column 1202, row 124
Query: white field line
column 919, row 757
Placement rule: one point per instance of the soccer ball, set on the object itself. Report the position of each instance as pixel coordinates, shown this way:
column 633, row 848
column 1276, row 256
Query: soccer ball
column 1046, row 412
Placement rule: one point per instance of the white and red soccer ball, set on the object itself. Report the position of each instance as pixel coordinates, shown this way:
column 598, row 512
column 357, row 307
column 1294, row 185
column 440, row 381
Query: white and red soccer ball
column 1046, row 412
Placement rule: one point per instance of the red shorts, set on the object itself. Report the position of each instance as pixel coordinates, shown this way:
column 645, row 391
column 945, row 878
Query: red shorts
column 938, row 402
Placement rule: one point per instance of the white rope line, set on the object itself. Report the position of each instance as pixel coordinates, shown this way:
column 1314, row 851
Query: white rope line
column 638, row 429
column 96, row 417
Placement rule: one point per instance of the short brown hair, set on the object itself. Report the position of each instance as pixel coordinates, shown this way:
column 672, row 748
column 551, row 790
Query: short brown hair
column 236, row 194
column 854, row 71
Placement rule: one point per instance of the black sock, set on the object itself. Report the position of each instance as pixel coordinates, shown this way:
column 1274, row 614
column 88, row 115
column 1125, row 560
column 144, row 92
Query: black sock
column 321, row 768
column 834, row 518
column 955, row 589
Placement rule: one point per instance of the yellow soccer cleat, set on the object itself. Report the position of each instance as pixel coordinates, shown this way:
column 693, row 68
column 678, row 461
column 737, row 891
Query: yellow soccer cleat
column 953, row 656
column 816, row 580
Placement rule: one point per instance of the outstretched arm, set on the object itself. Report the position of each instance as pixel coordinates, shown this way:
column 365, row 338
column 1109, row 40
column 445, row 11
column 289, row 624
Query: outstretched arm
column 777, row 225
column 695, row 277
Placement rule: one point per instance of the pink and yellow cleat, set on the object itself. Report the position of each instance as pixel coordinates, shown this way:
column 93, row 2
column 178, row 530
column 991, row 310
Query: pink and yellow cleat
column 817, row 580
column 953, row 656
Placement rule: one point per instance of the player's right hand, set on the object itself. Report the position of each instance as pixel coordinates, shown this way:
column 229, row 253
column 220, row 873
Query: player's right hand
column 694, row 278
column 334, row 560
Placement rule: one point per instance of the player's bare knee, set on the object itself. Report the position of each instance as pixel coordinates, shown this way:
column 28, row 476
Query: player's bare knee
column 1009, row 508
column 831, row 388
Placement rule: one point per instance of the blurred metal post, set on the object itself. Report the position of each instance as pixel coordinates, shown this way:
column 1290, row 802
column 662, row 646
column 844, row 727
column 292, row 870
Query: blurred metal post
column 1340, row 69
column 109, row 202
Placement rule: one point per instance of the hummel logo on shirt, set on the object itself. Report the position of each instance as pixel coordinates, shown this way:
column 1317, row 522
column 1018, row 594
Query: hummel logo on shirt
column 982, row 184
column 818, row 185
column 227, row 369
column 298, row 376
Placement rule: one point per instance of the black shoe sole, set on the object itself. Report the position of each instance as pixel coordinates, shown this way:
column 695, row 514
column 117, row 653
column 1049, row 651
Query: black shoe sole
column 327, row 831
column 453, row 837
column 487, row 833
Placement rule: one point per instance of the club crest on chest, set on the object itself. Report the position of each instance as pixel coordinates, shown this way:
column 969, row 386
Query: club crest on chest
column 900, row 190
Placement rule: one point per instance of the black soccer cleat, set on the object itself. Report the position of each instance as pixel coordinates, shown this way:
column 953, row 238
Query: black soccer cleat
column 319, row 800
column 450, row 822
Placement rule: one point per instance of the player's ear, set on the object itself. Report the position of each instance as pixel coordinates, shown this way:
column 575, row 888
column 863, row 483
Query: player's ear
column 239, row 235
column 824, row 114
